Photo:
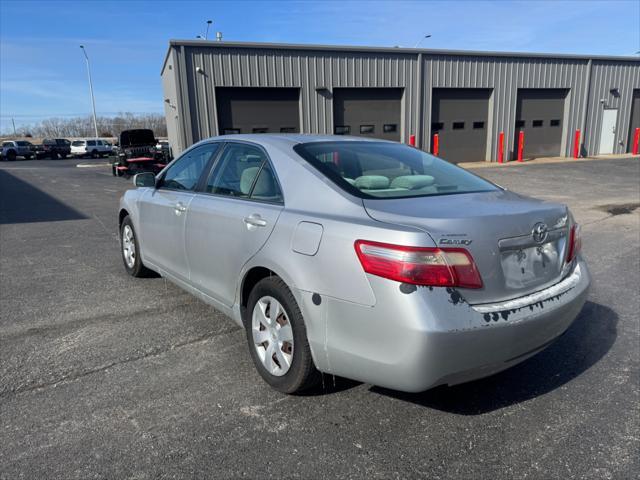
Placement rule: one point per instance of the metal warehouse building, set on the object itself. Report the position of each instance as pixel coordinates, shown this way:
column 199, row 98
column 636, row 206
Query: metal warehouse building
column 467, row 98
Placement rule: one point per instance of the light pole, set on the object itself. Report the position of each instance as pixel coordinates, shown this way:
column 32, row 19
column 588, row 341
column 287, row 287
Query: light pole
column 420, row 41
column 93, row 100
column 206, row 35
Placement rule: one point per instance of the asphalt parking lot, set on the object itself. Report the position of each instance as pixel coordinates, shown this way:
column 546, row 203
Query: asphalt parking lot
column 105, row 376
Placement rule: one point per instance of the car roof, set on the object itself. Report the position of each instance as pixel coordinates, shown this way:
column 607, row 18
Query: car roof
column 291, row 139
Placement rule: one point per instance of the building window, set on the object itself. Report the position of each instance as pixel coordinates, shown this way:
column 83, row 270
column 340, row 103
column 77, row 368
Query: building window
column 519, row 123
column 288, row 130
column 366, row 129
column 342, row 130
column 260, row 130
column 537, row 123
column 437, row 126
column 230, row 131
column 554, row 123
column 478, row 125
column 458, row 125
column 390, row 128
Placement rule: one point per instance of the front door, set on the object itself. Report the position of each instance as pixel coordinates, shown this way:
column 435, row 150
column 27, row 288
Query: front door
column 163, row 211
column 231, row 219
column 608, row 130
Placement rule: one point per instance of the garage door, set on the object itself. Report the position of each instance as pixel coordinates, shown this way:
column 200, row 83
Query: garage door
column 257, row 110
column 539, row 114
column 635, row 118
column 460, row 118
column 369, row 112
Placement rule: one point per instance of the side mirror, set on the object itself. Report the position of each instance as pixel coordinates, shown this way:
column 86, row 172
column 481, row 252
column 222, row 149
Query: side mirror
column 146, row 179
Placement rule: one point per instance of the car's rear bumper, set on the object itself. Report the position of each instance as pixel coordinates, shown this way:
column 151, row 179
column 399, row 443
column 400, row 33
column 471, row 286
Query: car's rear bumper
column 427, row 337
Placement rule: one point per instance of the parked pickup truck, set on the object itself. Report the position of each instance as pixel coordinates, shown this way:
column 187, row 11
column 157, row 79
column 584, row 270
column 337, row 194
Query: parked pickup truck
column 17, row 148
column 54, row 148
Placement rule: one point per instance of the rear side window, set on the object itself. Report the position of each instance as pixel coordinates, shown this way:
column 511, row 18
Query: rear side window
column 91, row 143
column 243, row 171
column 388, row 170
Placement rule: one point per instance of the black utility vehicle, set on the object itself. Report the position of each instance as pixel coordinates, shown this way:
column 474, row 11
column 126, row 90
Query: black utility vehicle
column 54, row 148
column 137, row 153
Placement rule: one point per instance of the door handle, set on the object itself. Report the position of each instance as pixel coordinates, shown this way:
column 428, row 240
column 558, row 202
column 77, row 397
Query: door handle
column 179, row 208
column 254, row 220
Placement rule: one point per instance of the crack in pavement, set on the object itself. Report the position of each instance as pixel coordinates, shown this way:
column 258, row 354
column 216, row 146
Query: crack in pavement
column 72, row 376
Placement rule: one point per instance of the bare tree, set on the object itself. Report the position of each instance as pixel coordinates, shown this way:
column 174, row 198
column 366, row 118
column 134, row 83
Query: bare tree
column 83, row 126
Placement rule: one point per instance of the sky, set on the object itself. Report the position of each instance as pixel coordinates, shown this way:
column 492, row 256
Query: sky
column 43, row 72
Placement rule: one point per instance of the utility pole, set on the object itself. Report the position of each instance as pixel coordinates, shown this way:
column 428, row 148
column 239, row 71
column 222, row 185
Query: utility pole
column 14, row 127
column 93, row 100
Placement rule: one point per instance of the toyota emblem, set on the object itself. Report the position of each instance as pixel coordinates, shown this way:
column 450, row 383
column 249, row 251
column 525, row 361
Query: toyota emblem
column 540, row 231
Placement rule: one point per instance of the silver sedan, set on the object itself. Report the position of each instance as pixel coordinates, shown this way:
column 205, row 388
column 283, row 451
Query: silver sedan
column 366, row 259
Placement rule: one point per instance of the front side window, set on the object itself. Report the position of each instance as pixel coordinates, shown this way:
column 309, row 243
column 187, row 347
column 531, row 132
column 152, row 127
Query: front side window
column 243, row 171
column 23, row 144
column 388, row 170
column 185, row 172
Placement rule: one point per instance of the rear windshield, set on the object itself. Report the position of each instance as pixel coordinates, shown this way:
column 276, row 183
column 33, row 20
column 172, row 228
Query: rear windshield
column 389, row 170
column 78, row 143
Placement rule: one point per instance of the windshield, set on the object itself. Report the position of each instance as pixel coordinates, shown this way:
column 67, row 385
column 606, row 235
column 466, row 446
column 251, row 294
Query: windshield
column 388, row 170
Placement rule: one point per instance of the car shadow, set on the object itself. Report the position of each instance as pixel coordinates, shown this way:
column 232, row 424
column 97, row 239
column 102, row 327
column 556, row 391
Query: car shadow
column 21, row 202
column 588, row 339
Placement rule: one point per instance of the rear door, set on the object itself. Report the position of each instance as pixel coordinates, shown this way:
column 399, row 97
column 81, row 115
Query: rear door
column 163, row 211
column 231, row 218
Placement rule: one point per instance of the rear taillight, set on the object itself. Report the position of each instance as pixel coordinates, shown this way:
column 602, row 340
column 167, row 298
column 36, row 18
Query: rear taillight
column 575, row 243
column 437, row 267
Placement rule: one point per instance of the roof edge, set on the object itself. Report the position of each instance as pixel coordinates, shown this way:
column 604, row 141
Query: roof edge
column 400, row 50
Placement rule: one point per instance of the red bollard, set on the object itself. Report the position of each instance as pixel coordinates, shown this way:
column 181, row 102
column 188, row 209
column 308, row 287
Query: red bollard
column 501, row 147
column 520, row 146
column 576, row 145
column 412, row 140
column 436, row 144
column 636, row 142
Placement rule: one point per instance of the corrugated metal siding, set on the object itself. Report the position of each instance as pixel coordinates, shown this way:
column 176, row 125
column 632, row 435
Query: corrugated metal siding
column 169, row 87
column 606, row 75
column 505, row 76
column 310, row 70
column 305, row 70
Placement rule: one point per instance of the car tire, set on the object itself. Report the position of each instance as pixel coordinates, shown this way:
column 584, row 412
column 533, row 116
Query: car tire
column 290, row 369
column 27, row 157
column 11, row 156
column 94, row 154
column 130, row 249
column 63, row 156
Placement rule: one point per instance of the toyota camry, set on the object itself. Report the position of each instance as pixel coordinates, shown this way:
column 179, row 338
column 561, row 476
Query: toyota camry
column 366, row 259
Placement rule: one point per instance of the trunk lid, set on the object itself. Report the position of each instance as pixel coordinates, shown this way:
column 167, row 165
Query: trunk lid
column 497, row 228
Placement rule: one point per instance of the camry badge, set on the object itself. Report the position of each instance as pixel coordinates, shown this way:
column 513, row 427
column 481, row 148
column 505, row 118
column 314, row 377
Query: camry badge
column 539, row 232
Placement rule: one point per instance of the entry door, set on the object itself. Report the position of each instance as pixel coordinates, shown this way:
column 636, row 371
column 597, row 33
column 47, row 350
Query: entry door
column 163, row 211
column 608, row 131
column 231, row 219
